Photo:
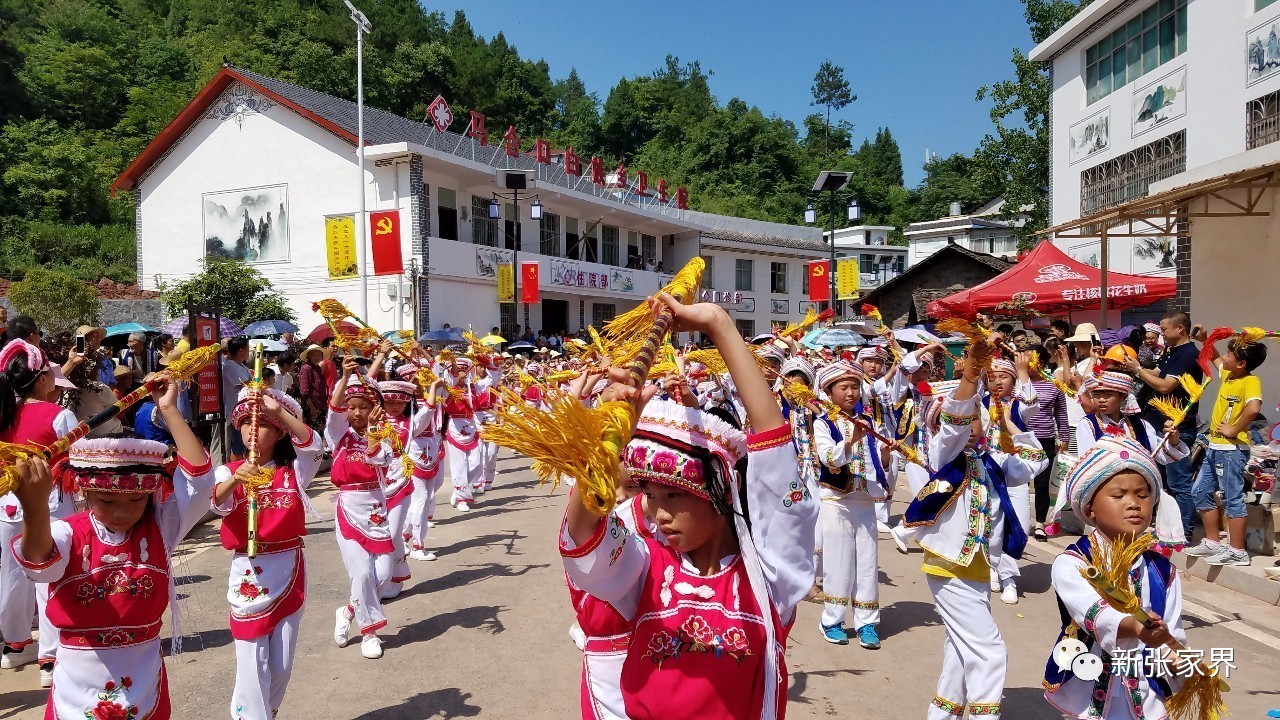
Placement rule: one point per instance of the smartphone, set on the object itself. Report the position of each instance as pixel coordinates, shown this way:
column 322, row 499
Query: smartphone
column 79, row 344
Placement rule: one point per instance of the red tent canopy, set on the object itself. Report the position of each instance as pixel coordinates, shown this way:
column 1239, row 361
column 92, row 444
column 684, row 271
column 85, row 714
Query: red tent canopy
column 1050, row 282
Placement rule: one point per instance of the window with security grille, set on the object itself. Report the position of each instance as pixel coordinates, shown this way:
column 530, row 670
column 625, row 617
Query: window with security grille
column 778, row 278
column 1130, row 175
column 549, row 234
column 649, row 248
column 507, row 320
column 708, row 277
column 483, row 230
column 602, row 313
column 1141, row 45
column 1262, row 121
column 746, row 328
column 742, row 270
column 609, row 245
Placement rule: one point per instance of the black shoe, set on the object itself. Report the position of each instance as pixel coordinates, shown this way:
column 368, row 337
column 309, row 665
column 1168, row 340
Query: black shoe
column 1039, row 534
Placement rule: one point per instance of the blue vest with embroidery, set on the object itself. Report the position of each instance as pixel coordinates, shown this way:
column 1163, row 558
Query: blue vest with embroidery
column 927, row 506
column 842, row 480
column 1160, row 574
column 1015, row 411
column 1139, row 429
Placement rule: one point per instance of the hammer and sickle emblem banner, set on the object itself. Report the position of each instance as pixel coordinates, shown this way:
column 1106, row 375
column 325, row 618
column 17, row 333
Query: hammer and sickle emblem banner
column 819, row 281
column 384, row 229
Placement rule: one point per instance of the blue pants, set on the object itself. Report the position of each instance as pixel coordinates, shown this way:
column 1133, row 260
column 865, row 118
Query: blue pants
column 1222, row 469
column 1179, row 484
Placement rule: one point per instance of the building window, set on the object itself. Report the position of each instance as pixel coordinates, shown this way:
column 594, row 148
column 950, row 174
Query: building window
column 601, row 313
column 1130, row 176
column 708, row 277
column 742, row 274
column 1262, row 121
column 778, row 278
column 483, row 230
column 1145, row 43
column 649, row 248
column 549, row 235
column 1260, row 4
column 746, row 328
column 609, row 240
column 507, row 321
column 899, row 264
column 447, row 209
column 804, row 278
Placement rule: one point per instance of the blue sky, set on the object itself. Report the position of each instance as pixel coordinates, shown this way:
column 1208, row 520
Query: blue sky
column 914, row 64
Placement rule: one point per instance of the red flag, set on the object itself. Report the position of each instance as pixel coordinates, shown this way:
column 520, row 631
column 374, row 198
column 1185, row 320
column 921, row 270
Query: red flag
column 820, row 281
column 384, row 229
column 529, row 282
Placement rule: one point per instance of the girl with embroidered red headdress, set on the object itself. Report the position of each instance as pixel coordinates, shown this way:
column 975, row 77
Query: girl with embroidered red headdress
column 267, row 592
column 108, row 568
column 27, row 416
column 363, row 531
column 713, row 596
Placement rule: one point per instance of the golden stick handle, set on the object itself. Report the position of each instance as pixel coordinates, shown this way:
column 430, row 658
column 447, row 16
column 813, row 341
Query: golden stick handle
column 251, row 490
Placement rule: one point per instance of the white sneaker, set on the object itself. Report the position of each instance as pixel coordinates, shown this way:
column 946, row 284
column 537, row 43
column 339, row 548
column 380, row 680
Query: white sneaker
column 477, row 490
column 17, row 658
column 463, row 507
column 578, row 637
column 371, row 647
column 995, row 581
column 431, row 524
column 1272, row 573
column 1230, row 556
column 488, row 487
column 898, row 541
column 883, row 527
column 421, row 555
column 1205, row 549
column 342, row 626
column 453, row 499
column 46, row 675
column 1009, row 596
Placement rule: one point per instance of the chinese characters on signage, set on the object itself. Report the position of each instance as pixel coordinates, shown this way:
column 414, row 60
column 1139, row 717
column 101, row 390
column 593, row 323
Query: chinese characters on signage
column 340, row 246
column 1093, row 293
column 441, row 117
column 719, row 297
column 569, row 274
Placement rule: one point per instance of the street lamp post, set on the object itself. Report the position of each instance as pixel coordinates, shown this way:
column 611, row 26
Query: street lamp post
column 832, row 182
column 362, row 26
column 535, row 213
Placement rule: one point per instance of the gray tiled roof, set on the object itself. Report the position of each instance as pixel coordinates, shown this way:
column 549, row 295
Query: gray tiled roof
column 908, row 277
column 381, row 127
column 764, row 239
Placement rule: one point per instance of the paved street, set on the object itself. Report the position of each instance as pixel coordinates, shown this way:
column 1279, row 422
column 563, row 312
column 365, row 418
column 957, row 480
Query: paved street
column 482, row 633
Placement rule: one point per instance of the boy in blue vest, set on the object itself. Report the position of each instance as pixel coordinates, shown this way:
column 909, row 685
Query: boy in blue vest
column 1102, row 662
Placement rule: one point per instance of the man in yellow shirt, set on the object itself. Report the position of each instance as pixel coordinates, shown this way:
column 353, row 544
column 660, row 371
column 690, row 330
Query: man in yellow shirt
column 1238, row 403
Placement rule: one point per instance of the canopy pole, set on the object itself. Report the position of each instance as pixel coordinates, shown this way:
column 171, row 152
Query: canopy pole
column 1102, row 291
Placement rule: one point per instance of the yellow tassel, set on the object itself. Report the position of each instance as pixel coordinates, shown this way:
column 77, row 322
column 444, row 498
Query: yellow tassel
column 810, row 319
column 446, row 356
column 544, row 436
column 10, row 455
column 1171, row 408
column 1003, row 440
column 1193, row 388
column 565, row 376
column 1199, row 698
column 1252, row 334
column 184, row 369
column 331, row 310
column 661, row 370
column 711, row 359
column 636, row 322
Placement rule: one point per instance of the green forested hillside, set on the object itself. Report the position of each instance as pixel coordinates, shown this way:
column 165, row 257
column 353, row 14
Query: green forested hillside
column 85, row 84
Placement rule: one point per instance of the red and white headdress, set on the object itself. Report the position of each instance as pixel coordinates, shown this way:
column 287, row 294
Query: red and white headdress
column 357, row 387
column 463, row 362
column 1001, row 365
column 1120, row 383
column 673, row 443
column 873, row 352
column 839, row 370
column 798, row 364
column 243, row 409
column 118, row 465
column 22, row 348
column 398, row 390
column 408, row 371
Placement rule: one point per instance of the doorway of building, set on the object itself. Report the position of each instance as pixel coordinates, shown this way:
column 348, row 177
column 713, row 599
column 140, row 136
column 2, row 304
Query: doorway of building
column 555, row 316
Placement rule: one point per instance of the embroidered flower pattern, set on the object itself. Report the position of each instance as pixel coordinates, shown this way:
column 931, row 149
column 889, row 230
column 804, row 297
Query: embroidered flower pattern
column 637, row 456
column 797, row 492
column 115, row 637
column 249, row 589
column 115, row 583
column 108, row 708
column 664, row 462
column 697, row 635
column 376, row 517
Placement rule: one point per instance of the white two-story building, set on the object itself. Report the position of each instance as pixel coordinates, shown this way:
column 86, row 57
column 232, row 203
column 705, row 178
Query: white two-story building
column 878, row 261
column 1165, row 116
column 258, row 169
column 985, row 230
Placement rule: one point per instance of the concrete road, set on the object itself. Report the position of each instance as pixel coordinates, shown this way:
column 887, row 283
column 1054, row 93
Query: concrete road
column 482, row 632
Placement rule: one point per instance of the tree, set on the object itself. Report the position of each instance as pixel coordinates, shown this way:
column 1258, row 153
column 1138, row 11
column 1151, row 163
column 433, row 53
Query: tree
column 237, row 289
column 1019, row 149
column 56, row 300
column 832, row 91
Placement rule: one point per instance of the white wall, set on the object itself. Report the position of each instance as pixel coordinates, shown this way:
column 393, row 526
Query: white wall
column 272, row 148
column 724, row 275
column 1216, row 94
column 1224, row 291
column 919, row 249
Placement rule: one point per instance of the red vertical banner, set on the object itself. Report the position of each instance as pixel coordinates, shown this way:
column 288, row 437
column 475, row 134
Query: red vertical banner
column 209, row 379
column 529, row 282
column 384, row 230
column 820, row 281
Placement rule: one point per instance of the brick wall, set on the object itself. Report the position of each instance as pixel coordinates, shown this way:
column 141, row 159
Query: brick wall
column 1181, row 302
column 420, row 229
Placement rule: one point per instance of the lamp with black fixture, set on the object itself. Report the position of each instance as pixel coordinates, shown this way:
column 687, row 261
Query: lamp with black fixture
column 832, row 182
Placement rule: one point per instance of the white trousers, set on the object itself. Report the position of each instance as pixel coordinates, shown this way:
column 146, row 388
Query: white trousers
column 263, row 666
column 973, row 653
column 850, row 559
column 488, row 464
column 369, row 576
column 400, row 555
column 17, row 591
column 464, row 470
column 1020, row 496
column 422, row 507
